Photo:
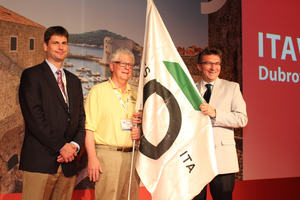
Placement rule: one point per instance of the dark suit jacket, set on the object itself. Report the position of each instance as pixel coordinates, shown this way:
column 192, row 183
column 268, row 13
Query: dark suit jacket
column 49, row 124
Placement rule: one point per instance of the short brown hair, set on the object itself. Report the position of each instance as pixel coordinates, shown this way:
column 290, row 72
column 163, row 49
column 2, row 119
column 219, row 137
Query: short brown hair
column 209, row 51
column 55, row 30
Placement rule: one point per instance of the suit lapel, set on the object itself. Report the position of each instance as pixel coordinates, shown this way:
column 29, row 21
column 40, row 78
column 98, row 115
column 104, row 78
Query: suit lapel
column 53, row 84
column 69, row 90
column 215, row 92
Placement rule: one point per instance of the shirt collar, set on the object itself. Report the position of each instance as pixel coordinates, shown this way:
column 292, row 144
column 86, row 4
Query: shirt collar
column 204, row 83
column 54, row 69
column 128, row 89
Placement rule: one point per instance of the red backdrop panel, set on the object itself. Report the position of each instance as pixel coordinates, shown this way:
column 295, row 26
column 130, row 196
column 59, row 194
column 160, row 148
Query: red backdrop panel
column 271, row 88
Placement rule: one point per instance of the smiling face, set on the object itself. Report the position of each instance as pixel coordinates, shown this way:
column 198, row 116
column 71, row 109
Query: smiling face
column 121, row 74
column 210, row 67
column 56, row 49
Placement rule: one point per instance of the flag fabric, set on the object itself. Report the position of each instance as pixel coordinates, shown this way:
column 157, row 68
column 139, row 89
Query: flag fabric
column 177, row 157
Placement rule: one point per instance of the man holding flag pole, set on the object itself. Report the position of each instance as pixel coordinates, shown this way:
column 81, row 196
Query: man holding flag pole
column 110, row 134
column 177, row 155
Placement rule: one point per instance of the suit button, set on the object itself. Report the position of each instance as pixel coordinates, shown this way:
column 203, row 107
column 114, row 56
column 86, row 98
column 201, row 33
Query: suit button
column 46, row 148
column 69, row 119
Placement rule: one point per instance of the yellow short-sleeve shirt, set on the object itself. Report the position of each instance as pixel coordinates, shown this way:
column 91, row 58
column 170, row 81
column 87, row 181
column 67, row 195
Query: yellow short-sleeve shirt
column 104, row 112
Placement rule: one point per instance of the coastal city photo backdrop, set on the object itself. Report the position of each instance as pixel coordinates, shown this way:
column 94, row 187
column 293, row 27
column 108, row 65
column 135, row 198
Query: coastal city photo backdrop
column 93, row 26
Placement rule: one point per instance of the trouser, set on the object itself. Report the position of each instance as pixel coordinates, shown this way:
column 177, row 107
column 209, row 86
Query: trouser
column 221, row 188
column 40, row 186
column 113, row 183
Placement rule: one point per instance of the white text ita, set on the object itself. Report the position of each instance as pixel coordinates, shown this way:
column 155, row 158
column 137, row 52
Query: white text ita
column 288, row 47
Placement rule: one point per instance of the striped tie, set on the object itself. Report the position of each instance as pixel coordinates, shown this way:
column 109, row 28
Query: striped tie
column 60, row 82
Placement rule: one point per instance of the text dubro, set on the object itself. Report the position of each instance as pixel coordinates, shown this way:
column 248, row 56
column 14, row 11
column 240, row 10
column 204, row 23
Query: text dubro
column 279, row 75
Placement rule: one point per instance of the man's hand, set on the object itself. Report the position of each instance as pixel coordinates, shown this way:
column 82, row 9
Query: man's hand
column 93, row 169
column 206, row 109
column 67, row 153
column 94, row 166
column 135, row 133
column 137, row 118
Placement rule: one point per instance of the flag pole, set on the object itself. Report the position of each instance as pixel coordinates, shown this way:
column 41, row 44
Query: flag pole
column 132, row 158
column 139, row 102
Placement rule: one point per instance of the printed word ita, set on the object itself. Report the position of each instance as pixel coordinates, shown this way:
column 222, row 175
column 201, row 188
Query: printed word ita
column 275, row 41
column 187, row 160
column 279, row 75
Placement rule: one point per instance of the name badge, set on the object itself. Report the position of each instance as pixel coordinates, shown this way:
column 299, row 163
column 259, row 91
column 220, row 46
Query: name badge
column 126, row 124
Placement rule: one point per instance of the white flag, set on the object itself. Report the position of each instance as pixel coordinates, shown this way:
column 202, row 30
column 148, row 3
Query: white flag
column 177, row 157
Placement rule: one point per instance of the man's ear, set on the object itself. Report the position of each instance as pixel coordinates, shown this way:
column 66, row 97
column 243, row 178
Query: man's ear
column 45, row 46
column 111, row 66
column 199, row 67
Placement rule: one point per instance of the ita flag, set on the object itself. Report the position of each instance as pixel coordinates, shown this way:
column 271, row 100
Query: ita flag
column 177, row 157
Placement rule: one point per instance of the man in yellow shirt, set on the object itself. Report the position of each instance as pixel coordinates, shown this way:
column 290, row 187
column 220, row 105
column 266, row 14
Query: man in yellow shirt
column 109, row 107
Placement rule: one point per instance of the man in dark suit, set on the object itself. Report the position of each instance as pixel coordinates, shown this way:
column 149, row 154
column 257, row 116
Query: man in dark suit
column 51, row 101
column 227, row 110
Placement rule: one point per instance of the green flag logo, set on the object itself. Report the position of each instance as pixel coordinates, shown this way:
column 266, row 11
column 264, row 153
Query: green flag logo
column 184, row 83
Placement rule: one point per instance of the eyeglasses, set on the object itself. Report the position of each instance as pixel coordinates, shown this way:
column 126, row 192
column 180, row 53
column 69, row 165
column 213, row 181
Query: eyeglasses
column 124, row 64
column 211, row 63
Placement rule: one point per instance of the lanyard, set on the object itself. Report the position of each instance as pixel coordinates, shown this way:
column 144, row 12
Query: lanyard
column 121, row 101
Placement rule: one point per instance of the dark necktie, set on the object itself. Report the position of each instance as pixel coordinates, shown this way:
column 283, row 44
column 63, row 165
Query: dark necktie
column 207, row 94
column 60, row 82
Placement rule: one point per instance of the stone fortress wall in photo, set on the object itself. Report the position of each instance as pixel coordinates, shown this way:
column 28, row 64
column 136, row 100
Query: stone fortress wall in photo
column 12, row 63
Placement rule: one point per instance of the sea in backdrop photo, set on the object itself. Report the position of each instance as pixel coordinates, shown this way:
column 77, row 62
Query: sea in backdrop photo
column 90, row 72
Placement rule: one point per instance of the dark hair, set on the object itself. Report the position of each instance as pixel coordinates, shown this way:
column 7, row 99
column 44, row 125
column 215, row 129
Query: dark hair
column 55, row 30
column 209, row 51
